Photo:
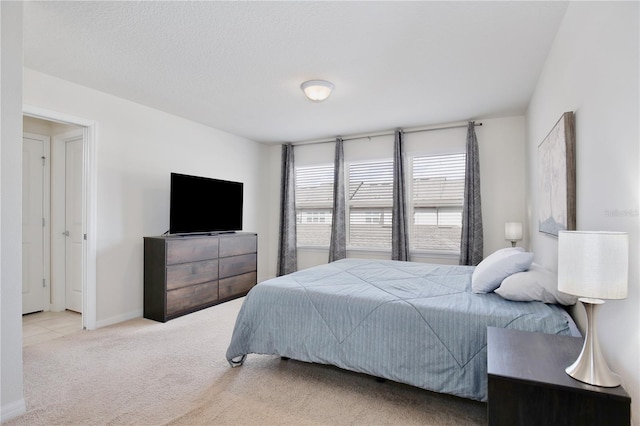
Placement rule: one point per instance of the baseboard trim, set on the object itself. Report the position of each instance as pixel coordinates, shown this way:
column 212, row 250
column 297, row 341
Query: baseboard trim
column 12, row 409
column 119, row 318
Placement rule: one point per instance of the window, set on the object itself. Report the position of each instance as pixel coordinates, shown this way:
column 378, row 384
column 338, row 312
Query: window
column 369, row 203
column 314, row 205
column 437, row 198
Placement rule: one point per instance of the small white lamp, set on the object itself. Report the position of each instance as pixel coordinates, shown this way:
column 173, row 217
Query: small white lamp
column 513, row 232
column 595, row 266
column 317, row 90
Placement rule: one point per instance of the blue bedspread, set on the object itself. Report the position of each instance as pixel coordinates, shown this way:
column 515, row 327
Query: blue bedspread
column 413, row 323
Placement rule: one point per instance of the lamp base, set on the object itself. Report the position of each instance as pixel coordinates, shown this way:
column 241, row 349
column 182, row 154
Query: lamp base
column 591, row 367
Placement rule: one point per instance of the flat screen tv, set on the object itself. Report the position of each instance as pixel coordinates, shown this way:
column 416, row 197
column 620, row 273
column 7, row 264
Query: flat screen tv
column 200, row 205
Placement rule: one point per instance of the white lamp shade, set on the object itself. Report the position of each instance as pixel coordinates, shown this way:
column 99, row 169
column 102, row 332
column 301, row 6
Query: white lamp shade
column 593, row 264
column 513, row 231
column 317, row 90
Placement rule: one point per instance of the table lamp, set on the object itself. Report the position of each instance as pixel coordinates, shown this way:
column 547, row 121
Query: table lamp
column 593, row 266
column 513, row 232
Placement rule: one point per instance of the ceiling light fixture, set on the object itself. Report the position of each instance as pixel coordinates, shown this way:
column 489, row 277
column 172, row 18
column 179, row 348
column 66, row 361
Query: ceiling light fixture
column 317, row 90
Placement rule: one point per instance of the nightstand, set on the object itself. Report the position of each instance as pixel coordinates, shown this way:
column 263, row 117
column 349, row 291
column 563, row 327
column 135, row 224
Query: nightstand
column 528, row 384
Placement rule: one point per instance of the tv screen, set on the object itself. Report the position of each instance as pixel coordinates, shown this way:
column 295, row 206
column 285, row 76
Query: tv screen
column 203, row 205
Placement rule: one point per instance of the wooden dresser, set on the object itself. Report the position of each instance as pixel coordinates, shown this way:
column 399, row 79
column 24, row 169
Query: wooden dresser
column 183, row 274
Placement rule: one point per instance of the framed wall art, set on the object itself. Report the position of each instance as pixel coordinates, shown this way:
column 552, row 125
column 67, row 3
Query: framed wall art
column 557, row 178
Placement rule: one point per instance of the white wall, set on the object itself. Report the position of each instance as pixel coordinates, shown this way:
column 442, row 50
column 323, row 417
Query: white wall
column 502, row 168
column 11, row 388
column 502, row 175
column 592, row 69
column 137, row 149
column 44, row 127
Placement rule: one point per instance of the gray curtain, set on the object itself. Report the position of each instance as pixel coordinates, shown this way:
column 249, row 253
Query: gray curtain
column 287, row 253
column 471, row 241
column 338, row 244
column 399, row 235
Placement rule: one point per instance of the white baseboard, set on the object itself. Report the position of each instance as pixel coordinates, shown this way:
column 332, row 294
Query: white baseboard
column 12, row 409
column 119, row 318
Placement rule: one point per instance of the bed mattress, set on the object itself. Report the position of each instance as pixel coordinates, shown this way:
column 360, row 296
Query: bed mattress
column 413, row 323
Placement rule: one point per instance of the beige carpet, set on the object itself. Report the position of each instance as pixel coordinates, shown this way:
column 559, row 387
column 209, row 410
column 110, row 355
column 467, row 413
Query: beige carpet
column 142, row 372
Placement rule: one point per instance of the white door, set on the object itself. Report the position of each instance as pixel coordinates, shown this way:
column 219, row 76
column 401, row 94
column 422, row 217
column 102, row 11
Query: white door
column 35, row 289
column 73, row 221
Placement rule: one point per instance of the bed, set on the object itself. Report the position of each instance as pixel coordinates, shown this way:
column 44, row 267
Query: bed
column 414, row 323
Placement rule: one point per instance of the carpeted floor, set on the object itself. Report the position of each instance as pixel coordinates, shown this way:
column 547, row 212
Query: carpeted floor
column 142, row 372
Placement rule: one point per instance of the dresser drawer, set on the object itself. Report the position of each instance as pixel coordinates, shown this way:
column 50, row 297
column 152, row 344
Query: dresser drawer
column 237, row 265
column 236, row 285
column 232, row 246
column 189, row 298
column 191, row 249
column 185, row 274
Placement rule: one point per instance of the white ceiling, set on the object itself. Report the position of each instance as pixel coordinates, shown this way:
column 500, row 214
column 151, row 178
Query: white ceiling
column 238, row 66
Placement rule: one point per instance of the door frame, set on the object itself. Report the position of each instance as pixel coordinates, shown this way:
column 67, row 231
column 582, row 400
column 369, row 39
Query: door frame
column 89, row 205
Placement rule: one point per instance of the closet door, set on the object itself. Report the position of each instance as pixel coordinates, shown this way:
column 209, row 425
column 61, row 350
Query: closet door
column 73, row 220
column 34, row 181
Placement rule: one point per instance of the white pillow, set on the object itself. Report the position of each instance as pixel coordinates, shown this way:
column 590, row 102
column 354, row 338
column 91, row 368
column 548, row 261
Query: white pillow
column 536, row 284
column 499, row 265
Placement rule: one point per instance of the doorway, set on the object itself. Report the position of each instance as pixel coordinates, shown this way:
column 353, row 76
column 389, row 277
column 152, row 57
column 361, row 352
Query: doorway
column 52, row 227
column 73, row 139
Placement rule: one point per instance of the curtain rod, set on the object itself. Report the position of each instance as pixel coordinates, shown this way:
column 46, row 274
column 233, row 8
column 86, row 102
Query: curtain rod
column 384, row 133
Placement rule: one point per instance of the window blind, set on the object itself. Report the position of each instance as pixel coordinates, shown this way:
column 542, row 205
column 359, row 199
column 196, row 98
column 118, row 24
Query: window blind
column 437, row 200
column 369, row 202
column 314, row 205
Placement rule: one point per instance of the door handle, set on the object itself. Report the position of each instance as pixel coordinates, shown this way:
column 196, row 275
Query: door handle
column 66, row 233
